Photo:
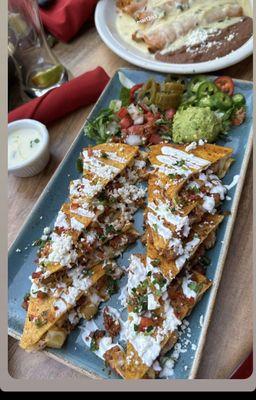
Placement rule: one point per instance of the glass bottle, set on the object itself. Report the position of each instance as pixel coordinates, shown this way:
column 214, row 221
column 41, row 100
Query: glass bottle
column 38, row 68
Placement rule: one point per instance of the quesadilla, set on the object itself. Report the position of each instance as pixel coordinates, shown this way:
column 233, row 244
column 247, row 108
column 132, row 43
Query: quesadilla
column 88, row 201
column 152, row 329
column 45, row 311
column 180, row 193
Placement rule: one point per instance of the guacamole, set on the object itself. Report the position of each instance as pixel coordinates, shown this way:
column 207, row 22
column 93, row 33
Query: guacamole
column 195, row 123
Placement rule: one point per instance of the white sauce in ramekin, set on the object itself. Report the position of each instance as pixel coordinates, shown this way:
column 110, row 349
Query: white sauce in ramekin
column 23, row 145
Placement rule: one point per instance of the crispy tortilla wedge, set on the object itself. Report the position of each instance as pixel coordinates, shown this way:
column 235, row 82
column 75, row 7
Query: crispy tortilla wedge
column 199, row 232
column 128, row 363
column 179, row 195
column 174, row 165
column 43, row 313
column 101, row 164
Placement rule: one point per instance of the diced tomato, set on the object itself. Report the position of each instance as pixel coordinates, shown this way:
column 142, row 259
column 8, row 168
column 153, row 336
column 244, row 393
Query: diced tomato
column 122, row 112
column 150, row 116
column 99, row 230
column 169, row 114
column 36, row 275
column 154, row 139
column 239, row 116
column 145, row 323
column 133, row 90
column 74, row 206
column 136, row 130
column 225, row 84
column 126, row 122
column 89, row 152
column 41, row 295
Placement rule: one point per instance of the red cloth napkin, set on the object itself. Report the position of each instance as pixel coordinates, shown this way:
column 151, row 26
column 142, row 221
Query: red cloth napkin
column 79, row 92
column 245, row 370
column 64, row 18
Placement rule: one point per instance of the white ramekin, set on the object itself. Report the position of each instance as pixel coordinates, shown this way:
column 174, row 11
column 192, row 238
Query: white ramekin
column 38, row 162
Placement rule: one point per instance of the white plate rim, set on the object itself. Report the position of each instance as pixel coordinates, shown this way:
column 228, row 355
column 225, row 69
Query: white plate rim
column 102, row 13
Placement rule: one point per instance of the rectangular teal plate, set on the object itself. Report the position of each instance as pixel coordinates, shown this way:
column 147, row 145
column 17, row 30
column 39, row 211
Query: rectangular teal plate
column 21, row 265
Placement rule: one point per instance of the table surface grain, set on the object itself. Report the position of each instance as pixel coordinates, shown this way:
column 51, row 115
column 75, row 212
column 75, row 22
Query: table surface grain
column 229, row 338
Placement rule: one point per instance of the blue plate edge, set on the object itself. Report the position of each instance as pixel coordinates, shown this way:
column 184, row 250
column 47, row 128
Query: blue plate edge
column 222, row 259
column 221, row 262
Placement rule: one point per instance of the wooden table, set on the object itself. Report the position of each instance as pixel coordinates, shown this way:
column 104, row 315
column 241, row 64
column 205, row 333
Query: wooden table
column 229, row 338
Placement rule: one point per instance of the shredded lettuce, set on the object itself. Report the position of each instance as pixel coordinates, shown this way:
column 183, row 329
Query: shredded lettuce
column 125, row 96
column 103, row 126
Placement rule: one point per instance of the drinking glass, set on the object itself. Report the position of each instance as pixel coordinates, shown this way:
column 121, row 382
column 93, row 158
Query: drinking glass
column 38, row 68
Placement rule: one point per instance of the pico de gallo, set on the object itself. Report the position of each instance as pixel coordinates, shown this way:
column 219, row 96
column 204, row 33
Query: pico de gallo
column 144, row 113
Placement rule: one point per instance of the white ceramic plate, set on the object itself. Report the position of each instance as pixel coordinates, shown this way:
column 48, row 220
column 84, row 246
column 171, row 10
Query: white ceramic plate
column 105, row 20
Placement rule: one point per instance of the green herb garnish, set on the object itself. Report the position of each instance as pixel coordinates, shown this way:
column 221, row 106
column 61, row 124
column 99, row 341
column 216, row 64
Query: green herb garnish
column 205, row 260
column 180, row 163
column 150, row 329
column 34, row 141
column 109, row 229
column 195, row 189
column 112, row 286
column 112, row 200
column 39, row 322
column 196, row 287
column 94, row 345
column 125, row 96
column 103, row 126
column 155, row 262
column 39, row 243
column 87, row 272
column 104, row 155
column 155, row 227
column 172, row 176
column 79, row 165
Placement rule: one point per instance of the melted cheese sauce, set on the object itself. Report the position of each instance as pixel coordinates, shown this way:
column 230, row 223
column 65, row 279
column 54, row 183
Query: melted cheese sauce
column 127, row 26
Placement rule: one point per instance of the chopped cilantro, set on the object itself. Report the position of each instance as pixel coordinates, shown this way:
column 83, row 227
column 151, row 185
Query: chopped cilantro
column 155, row 227
column 39, row 243
column 104, row 155
column 110, row 229
column 156, row 262
column 79, row 165
column 39, row 322
column 34, row 141
column 205, row 260
column 112, row 286
column 195, row 189
column 112, row 200
column 172, row 176
column 87, row 272
column 94, row 345
column 196, row 287
column 149, row 328
column 125, row 96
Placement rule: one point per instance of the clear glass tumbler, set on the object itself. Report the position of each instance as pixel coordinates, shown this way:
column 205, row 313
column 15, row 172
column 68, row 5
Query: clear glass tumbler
column 38, row 68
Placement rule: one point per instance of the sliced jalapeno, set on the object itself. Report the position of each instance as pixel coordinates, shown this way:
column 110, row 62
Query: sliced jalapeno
column 238, row 99
column 222, row 101
column 205, row 102
column 196, row 82
column 206, row 89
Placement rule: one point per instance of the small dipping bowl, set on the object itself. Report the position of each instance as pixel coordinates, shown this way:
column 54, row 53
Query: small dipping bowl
column 39, row 153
